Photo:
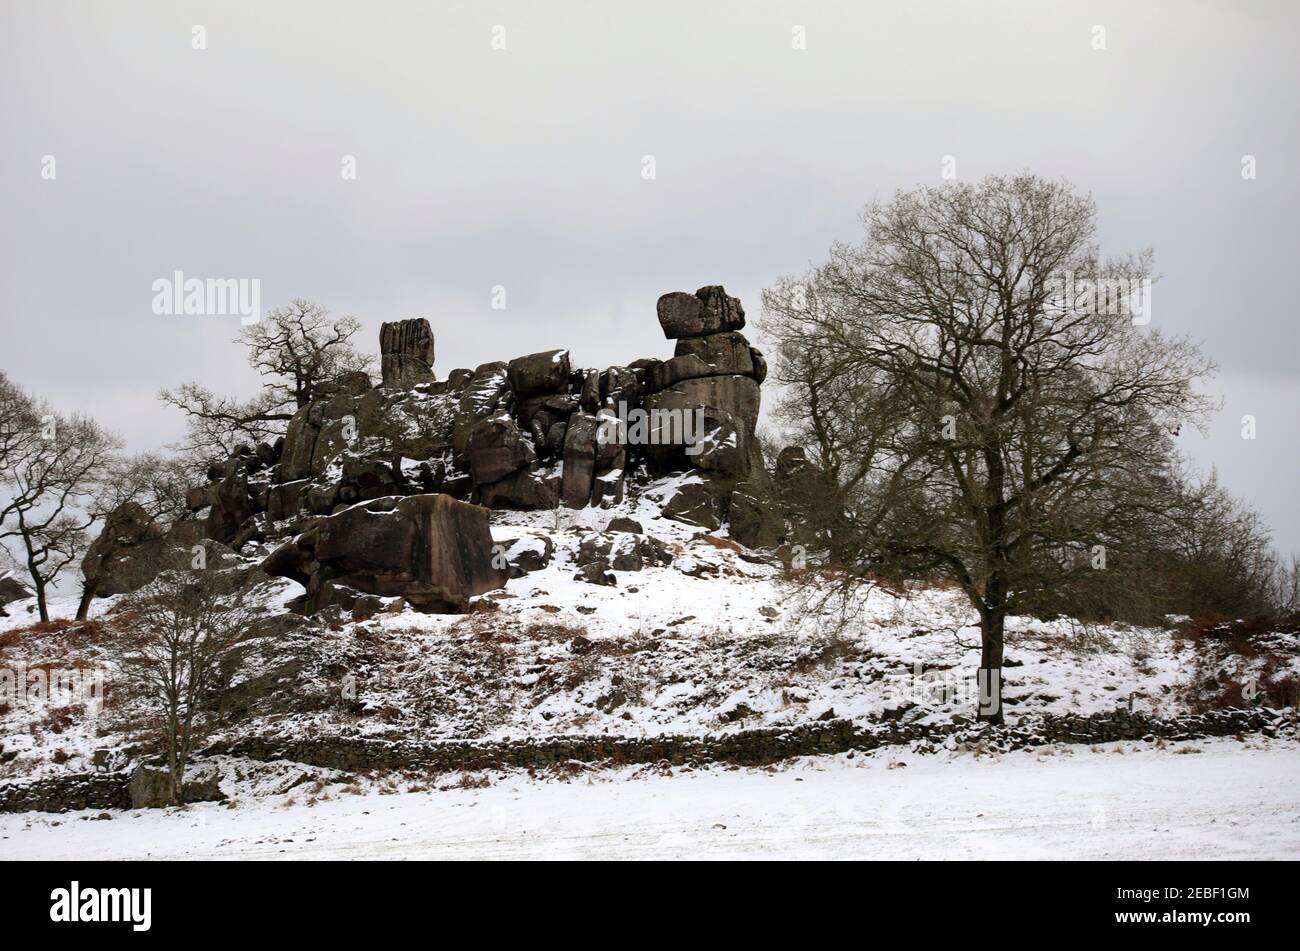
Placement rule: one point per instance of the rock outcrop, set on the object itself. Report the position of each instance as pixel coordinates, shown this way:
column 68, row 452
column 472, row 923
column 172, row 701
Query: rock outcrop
column 353, row 479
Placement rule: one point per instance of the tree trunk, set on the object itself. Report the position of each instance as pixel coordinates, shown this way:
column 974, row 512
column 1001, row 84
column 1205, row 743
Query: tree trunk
column 993, row 617
column 172, row 727
column 186, row 726
column 41, row 603
column 990, row 673
column 87, row 595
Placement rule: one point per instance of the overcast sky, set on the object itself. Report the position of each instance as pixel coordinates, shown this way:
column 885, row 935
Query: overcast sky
column 522, row 167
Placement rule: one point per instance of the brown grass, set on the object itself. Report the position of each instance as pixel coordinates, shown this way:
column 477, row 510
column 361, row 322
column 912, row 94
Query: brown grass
column 72, row 631
column 1263, row 643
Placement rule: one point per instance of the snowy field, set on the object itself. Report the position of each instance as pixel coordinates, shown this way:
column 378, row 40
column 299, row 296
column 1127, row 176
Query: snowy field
column 1207, row 799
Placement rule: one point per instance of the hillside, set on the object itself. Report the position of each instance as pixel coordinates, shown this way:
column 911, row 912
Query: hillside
column 718, row 641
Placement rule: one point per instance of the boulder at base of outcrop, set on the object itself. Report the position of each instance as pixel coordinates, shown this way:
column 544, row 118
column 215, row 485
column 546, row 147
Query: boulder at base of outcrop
column 693, row 500
column 406, row 353
column 608, row 489
column 596, row 573
column 432, row 550
column 528, row 489
column 622, row 551
column 151, row 787
column 708, row 311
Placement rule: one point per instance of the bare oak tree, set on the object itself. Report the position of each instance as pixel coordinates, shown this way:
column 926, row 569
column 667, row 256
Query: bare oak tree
column 984, row 413
column 295, row 349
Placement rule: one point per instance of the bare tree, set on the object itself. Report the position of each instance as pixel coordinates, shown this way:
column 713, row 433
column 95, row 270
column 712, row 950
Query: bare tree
column 178, row 643
column 296, row 349
column 1017, row 430
column 50, row 473
column 1216, row 558
column 1284, row 591
column 216, row 425
column 19, row 420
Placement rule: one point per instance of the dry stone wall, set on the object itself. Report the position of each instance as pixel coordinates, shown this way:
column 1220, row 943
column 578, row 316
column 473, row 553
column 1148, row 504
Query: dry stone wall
column 746, row 747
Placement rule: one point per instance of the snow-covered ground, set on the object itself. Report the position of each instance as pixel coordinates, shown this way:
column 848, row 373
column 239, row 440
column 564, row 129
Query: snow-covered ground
column 1201, row 800
column 717, row 641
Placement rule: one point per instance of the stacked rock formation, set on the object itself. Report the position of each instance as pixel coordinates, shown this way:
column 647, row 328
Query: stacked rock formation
column 715, row 370
column 327, row 502
column 406, row 352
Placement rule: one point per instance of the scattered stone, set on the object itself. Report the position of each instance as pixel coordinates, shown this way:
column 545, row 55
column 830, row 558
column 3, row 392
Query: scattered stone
column 528, row 554
column 596, row 573
column 695, row 503
column 740, row 711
